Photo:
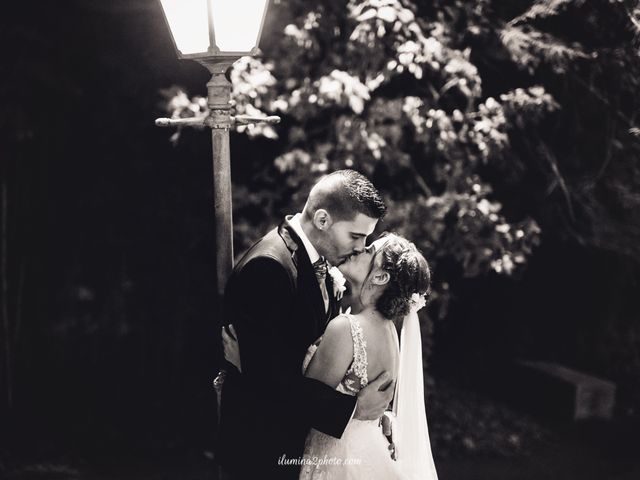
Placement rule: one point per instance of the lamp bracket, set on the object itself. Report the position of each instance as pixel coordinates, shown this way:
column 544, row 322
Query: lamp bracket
column 218, row 101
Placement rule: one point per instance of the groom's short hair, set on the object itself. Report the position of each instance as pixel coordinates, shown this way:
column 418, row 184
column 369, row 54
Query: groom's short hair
column 345, row 193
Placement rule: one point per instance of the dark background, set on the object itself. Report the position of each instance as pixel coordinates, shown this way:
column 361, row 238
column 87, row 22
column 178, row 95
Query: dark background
column 110, row 281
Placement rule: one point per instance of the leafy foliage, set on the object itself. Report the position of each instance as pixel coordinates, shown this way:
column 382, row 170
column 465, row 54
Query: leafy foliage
column 392, row 92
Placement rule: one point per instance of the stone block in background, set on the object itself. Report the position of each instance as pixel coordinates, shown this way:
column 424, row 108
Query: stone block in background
column 563, row 393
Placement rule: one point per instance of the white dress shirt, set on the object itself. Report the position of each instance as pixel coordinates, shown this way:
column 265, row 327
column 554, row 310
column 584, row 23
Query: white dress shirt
column 314, row 256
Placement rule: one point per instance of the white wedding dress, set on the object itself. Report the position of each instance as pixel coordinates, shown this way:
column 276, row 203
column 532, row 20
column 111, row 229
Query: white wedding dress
column 363, row 451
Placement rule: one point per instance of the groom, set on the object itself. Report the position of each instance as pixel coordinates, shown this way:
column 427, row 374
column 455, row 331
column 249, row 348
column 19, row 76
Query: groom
column 280, row 298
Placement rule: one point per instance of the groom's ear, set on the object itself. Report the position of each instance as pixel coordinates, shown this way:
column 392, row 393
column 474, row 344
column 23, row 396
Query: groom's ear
column 322, row 219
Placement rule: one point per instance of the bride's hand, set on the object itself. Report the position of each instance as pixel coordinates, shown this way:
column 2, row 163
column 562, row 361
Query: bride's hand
column 231, row 347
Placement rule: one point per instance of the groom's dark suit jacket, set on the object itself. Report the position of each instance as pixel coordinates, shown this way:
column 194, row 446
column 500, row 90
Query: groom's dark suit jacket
column 275, row 303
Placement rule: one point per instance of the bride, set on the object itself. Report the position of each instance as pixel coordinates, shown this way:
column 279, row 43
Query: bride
column 389, row 281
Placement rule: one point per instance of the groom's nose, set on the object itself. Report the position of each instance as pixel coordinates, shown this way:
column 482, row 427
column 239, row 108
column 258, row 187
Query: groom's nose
column 359, row 249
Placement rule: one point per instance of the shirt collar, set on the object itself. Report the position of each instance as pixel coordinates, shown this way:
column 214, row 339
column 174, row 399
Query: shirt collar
column 297, row 227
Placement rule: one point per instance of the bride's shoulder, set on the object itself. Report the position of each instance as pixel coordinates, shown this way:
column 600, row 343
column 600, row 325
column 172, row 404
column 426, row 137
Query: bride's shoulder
column 338, row 332
column 339, row 324
column 333, row 355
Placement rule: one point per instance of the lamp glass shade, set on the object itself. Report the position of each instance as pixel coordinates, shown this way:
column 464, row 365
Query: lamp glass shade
column 189, row 24
column 237, row 24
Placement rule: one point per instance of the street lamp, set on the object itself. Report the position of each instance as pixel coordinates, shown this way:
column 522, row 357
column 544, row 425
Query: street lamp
column 215, row 28
column 216, row 33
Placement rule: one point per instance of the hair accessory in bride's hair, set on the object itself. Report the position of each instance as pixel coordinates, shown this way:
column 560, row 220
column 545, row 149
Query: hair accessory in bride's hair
column 418, row 301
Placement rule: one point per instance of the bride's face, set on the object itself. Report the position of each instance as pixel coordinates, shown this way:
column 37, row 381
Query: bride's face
column 357, row 268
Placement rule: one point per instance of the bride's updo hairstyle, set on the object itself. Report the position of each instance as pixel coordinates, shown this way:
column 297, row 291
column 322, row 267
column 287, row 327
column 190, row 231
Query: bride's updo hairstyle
column 409, row 272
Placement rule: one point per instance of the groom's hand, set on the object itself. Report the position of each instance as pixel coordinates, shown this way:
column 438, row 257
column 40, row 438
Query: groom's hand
column 374, row 399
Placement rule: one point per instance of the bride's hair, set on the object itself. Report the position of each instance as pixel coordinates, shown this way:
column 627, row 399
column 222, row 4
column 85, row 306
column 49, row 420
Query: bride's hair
column 409, row 273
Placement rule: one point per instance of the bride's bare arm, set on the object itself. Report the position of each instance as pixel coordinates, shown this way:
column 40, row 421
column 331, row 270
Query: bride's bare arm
column 334, row 354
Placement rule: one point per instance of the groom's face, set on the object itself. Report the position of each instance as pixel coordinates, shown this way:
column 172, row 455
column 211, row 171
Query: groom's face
column 347, row 237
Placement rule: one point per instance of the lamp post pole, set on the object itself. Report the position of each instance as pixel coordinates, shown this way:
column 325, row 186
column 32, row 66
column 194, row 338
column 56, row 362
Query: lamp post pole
column 186, row 28
column 219, row 120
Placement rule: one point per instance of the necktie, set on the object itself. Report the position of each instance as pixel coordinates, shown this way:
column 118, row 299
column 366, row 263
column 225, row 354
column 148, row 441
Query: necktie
column 320, row 268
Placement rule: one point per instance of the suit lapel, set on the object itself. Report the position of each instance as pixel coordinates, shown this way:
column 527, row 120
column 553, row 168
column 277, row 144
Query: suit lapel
column 290, row 239
column 308, row 286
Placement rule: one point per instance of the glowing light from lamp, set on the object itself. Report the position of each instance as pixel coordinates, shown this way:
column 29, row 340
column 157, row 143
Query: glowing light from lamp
column 188, row 20
column 236, row 24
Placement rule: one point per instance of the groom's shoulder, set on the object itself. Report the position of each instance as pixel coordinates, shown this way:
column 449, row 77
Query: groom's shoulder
column 270, row 249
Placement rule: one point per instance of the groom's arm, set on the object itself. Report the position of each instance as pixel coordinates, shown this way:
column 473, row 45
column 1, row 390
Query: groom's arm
column 261, row 303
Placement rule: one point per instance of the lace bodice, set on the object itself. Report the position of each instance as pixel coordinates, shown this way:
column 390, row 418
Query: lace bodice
column 355, row 377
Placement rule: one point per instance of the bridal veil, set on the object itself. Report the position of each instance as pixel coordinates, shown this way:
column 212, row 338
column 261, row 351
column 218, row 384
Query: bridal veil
column 412, row 434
